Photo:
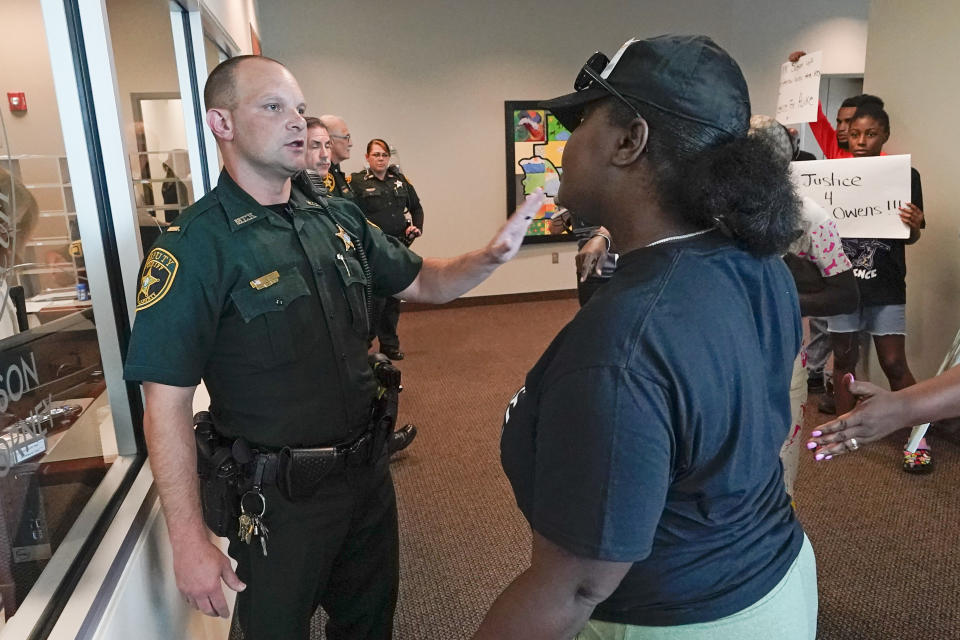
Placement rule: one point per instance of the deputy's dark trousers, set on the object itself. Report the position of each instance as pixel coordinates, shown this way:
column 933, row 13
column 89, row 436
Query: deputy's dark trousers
column 386, row 315
column 338, row 550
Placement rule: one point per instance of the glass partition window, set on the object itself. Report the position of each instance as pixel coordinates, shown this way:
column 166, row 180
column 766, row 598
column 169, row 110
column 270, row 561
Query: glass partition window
column 57, row 439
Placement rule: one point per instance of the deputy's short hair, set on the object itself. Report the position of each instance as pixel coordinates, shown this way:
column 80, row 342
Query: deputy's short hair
column 313, row 122
column 220, row 91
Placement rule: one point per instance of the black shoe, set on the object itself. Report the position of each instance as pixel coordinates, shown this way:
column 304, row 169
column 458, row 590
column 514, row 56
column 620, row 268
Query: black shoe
column 393, row 354
column 815, row 382
column 828, row 405
column 401, row 438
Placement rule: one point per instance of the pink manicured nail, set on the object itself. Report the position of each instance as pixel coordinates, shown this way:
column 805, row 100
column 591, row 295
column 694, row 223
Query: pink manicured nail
column 816, row 434
column 828, row 457
column 819, row 456
column 811, row 445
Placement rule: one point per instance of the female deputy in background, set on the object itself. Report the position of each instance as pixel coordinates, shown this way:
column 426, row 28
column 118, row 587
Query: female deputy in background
column 643, row 448
column 389, row 201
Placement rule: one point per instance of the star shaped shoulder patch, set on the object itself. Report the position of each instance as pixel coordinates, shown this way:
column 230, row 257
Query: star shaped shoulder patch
column 159, row 270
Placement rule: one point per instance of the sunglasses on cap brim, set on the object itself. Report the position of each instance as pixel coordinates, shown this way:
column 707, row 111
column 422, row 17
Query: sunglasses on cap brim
column 590, row 74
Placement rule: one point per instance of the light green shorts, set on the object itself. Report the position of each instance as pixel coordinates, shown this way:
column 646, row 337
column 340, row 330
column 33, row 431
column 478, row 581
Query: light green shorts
column 788, row 612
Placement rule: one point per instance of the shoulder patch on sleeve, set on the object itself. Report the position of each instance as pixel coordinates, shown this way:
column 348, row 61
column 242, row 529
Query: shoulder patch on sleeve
column 159, row 270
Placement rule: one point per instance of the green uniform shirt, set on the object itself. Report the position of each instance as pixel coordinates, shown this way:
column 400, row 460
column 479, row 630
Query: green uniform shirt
column 384, row 202
column 271, row 315
column 341, row 185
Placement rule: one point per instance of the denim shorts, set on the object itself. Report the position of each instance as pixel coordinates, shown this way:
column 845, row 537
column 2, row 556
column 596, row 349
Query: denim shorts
column 880, row 320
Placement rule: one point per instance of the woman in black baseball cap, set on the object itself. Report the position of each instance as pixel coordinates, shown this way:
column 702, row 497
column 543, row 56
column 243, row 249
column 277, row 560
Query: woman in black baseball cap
column 643, row 447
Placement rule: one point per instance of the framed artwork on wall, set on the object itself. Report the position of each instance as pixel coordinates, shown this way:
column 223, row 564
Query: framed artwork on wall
column 535, row 141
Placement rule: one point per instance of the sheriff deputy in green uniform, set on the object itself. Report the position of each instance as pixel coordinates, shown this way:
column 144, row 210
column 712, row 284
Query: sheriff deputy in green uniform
column 258, row 290
column 317, row 159
column 340, row 145
column 389, row 201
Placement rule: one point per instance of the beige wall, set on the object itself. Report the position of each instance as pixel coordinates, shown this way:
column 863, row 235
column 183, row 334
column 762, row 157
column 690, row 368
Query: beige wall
column 25, row 66
column 431, row 78
column 236, row 16
column 911, row 64
column 765, row 32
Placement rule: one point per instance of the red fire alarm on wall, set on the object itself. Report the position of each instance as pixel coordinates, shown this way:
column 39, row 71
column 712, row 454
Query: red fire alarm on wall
column 17, row 101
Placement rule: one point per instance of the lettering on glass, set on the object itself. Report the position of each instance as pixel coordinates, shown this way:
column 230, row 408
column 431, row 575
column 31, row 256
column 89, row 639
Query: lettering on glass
column 26, row 437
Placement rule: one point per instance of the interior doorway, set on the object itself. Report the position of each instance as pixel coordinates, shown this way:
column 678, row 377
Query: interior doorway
column 160, row 167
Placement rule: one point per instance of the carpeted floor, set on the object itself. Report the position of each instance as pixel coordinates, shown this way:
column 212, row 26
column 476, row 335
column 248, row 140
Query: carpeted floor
column 883, row 539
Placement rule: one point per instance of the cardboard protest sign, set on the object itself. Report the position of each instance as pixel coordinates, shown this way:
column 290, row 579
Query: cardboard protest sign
column 862, row 195
column 799, row 89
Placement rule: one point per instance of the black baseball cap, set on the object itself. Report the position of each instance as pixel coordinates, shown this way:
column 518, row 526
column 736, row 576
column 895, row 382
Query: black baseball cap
column 690, row 77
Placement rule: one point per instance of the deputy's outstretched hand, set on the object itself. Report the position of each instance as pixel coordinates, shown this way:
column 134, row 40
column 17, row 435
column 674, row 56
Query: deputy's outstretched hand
column 506, row 243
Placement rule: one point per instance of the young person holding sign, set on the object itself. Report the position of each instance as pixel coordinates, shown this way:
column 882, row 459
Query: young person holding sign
column 881, row 269
column 833, row 144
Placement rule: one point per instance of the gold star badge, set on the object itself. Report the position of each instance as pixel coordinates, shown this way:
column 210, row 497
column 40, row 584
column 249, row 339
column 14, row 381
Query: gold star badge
column 345, row 237
column 148, row 281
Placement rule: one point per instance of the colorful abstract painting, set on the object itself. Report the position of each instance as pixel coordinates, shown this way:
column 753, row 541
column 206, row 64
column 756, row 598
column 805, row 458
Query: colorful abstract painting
column 535, row 142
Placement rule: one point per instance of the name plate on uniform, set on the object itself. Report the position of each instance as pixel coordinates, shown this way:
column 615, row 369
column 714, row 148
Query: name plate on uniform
column 268, row 280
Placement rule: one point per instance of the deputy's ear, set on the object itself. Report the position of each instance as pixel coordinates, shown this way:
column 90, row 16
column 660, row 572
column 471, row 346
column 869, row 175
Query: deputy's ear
column 631, row 143
column 220, row 123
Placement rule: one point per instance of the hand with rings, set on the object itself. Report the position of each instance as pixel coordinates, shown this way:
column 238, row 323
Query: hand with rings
column 878, row 414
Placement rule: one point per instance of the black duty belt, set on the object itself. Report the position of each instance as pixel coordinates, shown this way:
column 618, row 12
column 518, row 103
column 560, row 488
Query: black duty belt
column 298, row 471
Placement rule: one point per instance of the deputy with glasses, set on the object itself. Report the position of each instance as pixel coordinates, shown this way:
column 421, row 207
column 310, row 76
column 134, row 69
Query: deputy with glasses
column 643, row 447
column 340, row 145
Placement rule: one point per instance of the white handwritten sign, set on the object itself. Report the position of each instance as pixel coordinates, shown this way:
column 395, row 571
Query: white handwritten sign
column 799, row 89
column 863, row 195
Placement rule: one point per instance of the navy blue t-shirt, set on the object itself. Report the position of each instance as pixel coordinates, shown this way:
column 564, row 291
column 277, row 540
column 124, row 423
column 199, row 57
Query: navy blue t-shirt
column 650, row 430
